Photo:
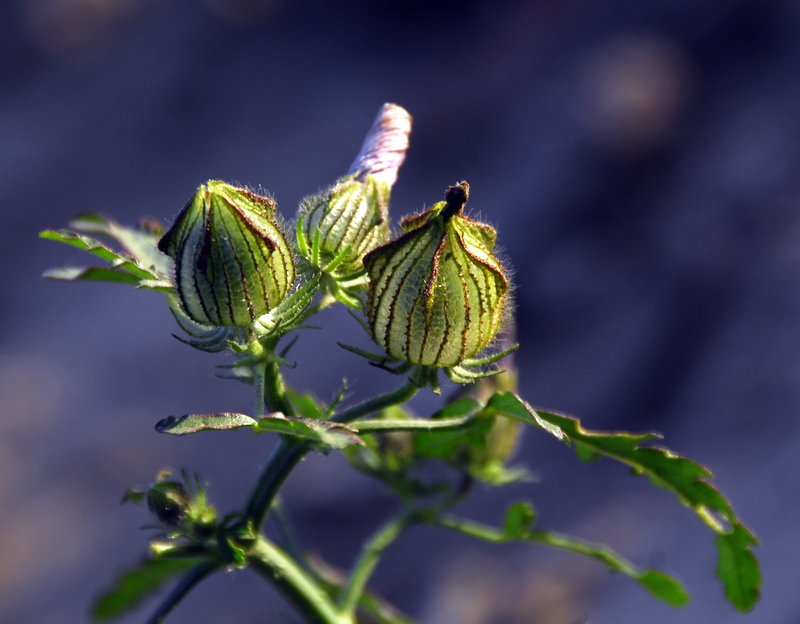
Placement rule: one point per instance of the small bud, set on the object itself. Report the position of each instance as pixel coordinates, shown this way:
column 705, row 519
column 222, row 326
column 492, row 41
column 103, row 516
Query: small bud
column 232, row 262
column 169, row 502
column 437, row 293
column 351, row 217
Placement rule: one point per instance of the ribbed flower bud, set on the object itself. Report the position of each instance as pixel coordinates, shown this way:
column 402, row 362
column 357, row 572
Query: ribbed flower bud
column 232, row 262
column 437, row 293
column 354, row 213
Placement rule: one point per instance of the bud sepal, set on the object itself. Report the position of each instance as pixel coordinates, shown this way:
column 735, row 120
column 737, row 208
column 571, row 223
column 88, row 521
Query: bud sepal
column 232, row 261
column 437, row 295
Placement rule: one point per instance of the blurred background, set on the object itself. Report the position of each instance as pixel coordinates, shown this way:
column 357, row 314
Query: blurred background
column 640, row 161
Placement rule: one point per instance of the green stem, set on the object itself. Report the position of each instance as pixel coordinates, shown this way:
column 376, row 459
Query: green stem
column 295, row 583
column 284, row 457
column 412, row 424
column 395, row 397
column 370, row 555
column 189, row 580
column 288, row 452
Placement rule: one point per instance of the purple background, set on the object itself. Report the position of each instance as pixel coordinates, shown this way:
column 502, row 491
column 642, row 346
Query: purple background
column 640, row 161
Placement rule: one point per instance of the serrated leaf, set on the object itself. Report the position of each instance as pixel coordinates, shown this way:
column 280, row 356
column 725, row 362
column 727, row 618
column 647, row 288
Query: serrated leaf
column 136, row 585
column 331, row 434
column 518, row 522
column 511, row 405
column 690, row 481
column 738, row 568
column 192, row 423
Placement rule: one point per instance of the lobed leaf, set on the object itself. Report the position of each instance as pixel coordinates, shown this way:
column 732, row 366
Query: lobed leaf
column 135, row 585
column 123, row 268
column 140, row 243
column 738, row 568
column 659, row 584
column 511, row 405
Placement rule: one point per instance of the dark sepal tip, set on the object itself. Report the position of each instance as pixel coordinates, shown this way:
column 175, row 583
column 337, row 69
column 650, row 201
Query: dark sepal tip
column 456, row 198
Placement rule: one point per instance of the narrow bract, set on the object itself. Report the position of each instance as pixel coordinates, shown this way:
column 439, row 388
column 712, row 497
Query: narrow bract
column 232, row 262
column 437, row 293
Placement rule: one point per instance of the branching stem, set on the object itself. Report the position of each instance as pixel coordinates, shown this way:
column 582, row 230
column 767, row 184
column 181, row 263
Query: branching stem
column 370, row 555
column 295, row 583
column 186, row 584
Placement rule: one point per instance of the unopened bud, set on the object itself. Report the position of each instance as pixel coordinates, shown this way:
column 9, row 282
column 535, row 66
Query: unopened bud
column 232, row 262
column 169, row 502
column 351, row 217
column 437, row 293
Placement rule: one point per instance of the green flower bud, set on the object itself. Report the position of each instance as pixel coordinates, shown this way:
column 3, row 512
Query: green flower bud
column 437, row 293
column 232, row 262
column 169, row 502
column 352, row 217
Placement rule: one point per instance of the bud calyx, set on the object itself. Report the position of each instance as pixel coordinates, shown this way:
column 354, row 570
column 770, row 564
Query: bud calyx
column 232, row 262
column 437, row 293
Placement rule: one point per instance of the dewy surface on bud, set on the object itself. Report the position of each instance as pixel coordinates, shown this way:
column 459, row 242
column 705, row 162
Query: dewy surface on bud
column 437, row 293
column 353, row 214
column 232, row 262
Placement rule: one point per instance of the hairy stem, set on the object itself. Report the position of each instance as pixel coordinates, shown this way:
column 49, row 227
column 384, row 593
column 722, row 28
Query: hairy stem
column 370, row 555
column 186, row 584
column 295, row 583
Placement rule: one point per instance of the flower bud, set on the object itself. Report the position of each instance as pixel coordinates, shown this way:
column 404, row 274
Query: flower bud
column 353, row 214
column 168, row 501
column 232, row 262
column 437, row 293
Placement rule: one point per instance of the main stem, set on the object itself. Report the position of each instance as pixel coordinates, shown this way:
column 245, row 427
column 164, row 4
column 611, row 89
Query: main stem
column 295, row 583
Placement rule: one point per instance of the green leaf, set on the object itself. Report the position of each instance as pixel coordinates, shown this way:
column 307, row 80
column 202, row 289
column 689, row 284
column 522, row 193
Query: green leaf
column 192, row 423
column 140, row 243
column 519, row 519
column 661, row 585
column 738, row 568
column 306, row 405
column 135, row 585
column 71, row 274
column 511, row 405
column 664, row 587
column 143, row 271
column 324, row 432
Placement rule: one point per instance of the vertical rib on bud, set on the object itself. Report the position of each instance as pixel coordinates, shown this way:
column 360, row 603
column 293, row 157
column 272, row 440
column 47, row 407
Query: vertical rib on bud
column 232, row 262
column 351, row 214
column 437, row 293
column 354, row 213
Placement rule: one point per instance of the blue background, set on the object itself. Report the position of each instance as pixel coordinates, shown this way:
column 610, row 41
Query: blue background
column 640, row 161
